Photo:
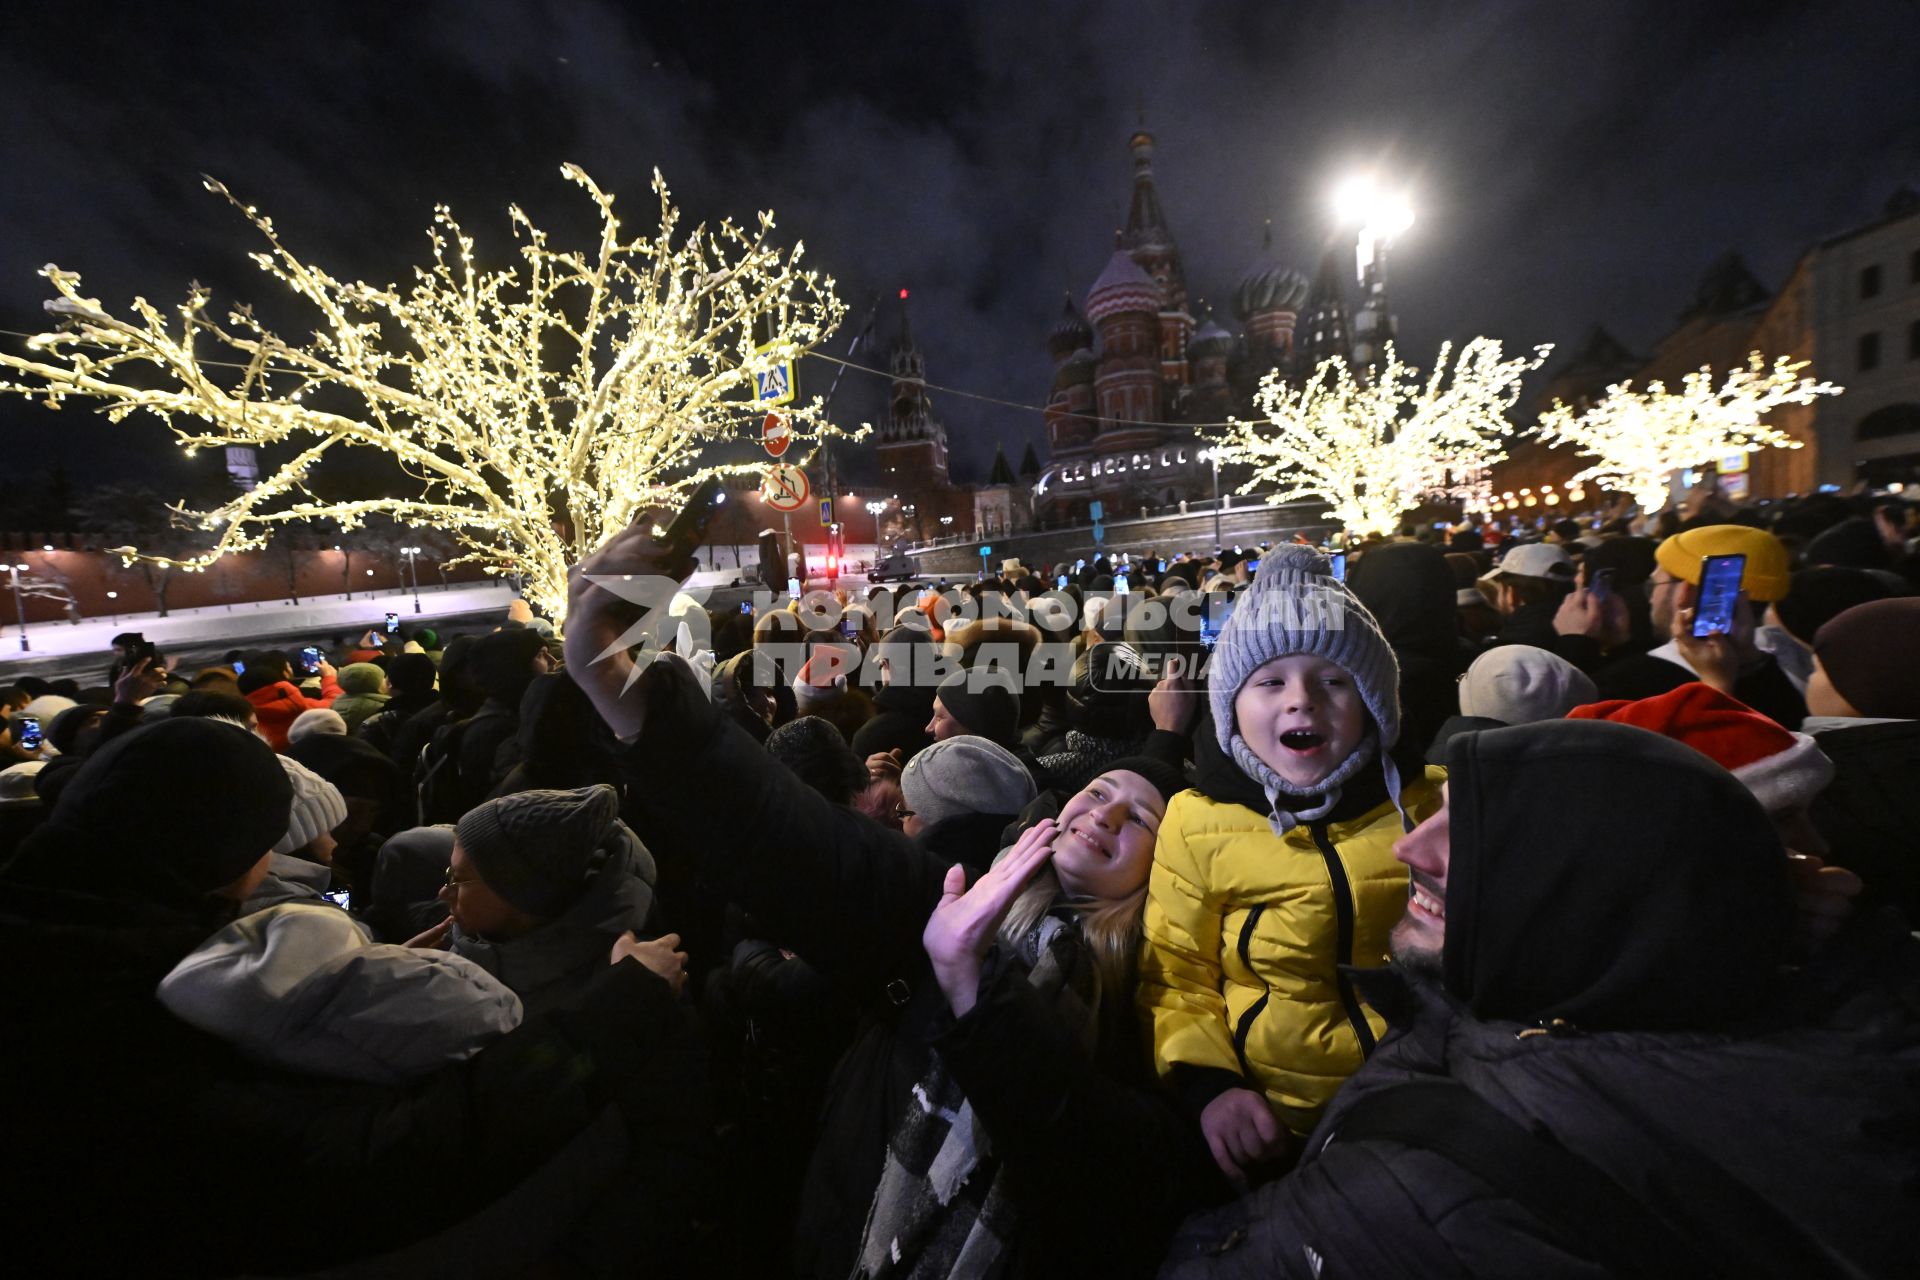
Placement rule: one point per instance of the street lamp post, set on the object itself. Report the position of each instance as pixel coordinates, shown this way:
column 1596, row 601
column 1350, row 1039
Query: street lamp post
column 413, row 571
column 19, row 607
column 874, row 509
column 1379, row 218
column 1213, row 456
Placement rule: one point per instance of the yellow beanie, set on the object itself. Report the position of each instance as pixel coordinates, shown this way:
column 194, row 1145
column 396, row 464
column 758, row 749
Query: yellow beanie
column 1769, row 569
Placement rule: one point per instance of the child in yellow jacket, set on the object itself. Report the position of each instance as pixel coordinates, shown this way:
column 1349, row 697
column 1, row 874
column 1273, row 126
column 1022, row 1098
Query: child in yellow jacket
column 1251, row 913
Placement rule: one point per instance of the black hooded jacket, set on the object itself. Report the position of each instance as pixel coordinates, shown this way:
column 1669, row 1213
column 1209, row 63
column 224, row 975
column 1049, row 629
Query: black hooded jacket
column 1617, row 913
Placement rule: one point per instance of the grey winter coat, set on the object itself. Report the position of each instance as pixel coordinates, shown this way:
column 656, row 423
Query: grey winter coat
column 305, row 987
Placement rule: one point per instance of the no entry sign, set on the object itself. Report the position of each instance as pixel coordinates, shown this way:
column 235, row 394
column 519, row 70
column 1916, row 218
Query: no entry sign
column 785, row 489
column 775, row 434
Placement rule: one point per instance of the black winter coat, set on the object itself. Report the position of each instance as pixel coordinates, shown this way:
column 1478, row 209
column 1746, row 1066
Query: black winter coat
column 1870, row 811
column 1646, row 675
column 1615, row 987
column 899, row 722
column 1813, row 1106
column 1110, row 1160
column 153, row 1146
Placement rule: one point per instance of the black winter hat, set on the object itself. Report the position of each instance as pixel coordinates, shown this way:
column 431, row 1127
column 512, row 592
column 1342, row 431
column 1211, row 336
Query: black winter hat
column 412, row 674
column 819, row 756
column 1822, row 593
column 535, row 848
column 1166, row 779
column 1854, row 542
column 986, row 703
column 166, row 813
column 502, row 663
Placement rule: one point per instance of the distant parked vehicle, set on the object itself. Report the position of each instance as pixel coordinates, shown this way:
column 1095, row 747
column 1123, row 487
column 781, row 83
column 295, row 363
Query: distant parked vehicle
column 896, row 568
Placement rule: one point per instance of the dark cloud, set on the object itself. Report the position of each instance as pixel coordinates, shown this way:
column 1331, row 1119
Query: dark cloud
column 1571, row 162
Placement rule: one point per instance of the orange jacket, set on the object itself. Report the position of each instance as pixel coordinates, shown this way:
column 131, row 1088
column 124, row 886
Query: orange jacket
column 278, row 705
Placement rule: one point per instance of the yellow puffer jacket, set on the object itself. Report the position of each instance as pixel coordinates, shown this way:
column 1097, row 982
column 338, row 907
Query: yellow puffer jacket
column 1244, row 930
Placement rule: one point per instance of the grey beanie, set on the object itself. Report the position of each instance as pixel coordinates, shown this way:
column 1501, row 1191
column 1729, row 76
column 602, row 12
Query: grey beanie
column 1295, row 605
column 965, row 775
column 535, row 848
column 1519, row 684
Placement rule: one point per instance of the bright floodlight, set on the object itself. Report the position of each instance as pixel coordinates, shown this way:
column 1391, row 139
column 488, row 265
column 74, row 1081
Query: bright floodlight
column 1359, row 202
column 1353, row 200
column 1396, row 217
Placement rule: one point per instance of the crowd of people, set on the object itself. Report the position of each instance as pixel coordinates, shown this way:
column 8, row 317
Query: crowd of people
column 1514, row 902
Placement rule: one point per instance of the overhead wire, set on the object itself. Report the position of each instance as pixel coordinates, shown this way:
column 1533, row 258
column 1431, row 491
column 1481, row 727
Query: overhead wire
column 808, row 355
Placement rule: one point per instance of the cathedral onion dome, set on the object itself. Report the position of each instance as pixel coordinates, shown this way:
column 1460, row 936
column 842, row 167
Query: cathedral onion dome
column 1268, row 286
column 1121, row 288
column 1209, row 340
column 1078, row 367
column 1070, row 333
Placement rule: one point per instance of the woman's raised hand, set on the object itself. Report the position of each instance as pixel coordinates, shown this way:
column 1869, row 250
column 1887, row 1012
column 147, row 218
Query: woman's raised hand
column 963, row 925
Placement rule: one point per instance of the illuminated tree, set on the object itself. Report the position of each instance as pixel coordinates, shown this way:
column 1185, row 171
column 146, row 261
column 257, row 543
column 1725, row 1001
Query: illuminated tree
column 1376, row 448
column 127, row 513
column 531, row 411
column 48, row 583
column 1638, row 439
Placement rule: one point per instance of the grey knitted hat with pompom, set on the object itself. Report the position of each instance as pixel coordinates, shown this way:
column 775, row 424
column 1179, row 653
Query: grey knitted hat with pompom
column 1293, row 606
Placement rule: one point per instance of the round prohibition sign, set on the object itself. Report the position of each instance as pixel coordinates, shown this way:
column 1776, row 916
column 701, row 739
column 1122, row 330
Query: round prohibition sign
column 775, row 434
column 785, row 489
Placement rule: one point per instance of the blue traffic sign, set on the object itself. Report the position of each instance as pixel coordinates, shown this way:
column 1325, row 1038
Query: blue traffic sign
column 774, row 385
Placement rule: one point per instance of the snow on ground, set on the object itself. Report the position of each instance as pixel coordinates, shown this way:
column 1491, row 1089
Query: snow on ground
column 238, row 623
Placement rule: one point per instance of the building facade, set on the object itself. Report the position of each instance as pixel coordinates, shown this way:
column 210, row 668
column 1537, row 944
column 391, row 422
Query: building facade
column 1850, row 308
column 1136, row 374
column 1863, row 304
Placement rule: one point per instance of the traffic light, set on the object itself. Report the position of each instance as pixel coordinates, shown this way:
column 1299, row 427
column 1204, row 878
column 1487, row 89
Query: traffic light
column 835, row 546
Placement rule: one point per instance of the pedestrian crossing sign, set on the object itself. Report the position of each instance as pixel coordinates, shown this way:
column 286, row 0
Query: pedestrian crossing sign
column 774, row 384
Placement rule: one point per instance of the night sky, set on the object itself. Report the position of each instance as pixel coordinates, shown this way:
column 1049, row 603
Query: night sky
column 1570, row 163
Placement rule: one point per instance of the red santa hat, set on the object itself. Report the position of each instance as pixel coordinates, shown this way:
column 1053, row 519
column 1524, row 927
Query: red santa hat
column 1782, row 769
column 822, row 678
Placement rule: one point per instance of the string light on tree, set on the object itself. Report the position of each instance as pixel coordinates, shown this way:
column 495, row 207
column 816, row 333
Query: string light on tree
column 1375, row 450
column 1640, row 439
column 531, row 411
